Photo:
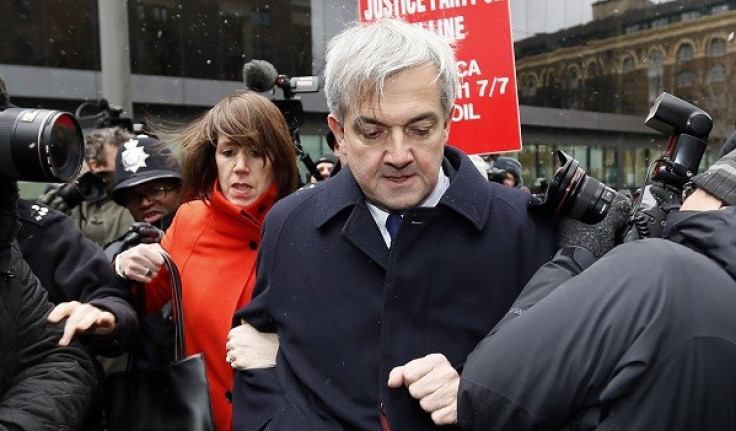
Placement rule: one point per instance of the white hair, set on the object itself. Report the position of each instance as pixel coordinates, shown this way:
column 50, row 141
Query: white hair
column 362, row 58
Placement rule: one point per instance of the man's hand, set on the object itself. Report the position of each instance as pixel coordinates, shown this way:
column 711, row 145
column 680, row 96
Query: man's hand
column 249, row 349
column 81, row 319
column 434, row 382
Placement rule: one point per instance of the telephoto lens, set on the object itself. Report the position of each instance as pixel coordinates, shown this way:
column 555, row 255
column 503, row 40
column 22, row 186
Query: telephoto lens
column 40, row 145
column 576, row 195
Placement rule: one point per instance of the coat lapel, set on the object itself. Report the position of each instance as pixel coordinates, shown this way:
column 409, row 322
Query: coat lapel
column 340, row 194
column 361, row 230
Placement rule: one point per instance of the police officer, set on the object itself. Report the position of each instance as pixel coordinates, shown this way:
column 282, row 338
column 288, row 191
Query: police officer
column 81, row 283
column 148, row 184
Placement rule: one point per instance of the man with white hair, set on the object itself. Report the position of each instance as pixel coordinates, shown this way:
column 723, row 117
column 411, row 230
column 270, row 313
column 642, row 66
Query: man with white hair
column 376, row 281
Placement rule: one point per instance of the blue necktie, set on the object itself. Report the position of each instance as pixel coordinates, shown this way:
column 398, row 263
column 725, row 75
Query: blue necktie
column 392, row 225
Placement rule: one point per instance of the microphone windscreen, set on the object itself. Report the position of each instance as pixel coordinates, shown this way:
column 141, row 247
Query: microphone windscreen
column 259, row 75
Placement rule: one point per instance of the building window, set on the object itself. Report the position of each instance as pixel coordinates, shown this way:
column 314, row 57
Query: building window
column 529, row 86
column 633, row 28
column 719, row 101
column 572, row 85
column 685, row 53
column 717, row 47
column 691, row 15
column 717, row 73
column 685, row 79
column 660, row 22
column 593, row 69
column 654, row 75
column 551, row 79
column 628, row 65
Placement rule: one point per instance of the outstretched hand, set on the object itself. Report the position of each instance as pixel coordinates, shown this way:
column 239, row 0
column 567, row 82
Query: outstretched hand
column 434, row 382
column 81, row 319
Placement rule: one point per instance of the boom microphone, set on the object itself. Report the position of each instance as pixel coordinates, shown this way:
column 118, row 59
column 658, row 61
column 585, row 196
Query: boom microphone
column 259, row 75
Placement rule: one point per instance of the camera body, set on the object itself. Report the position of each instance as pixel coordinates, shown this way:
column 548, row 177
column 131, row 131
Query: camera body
column 688, row 128
column 108, row 115
column 88, row 187
column 496, row 175
column 573, row 194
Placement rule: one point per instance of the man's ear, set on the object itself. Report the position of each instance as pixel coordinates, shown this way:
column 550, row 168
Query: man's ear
column 337, row 129
column 448, row 123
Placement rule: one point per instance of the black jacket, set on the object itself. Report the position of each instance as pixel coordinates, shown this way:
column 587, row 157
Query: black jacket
column 644, row 339
column 348, row 309
column 73, row 268
column 42, row 386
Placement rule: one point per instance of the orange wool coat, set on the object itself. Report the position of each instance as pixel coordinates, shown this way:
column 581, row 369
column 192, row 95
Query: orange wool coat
column 214, row 245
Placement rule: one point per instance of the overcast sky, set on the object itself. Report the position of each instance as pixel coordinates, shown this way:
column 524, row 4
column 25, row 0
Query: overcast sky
column 529, row 17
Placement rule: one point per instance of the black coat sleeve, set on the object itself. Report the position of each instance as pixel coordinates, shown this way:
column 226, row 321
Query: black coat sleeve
column 44, row 386
column 545, row 368
column 567, row 263
column 73, row 268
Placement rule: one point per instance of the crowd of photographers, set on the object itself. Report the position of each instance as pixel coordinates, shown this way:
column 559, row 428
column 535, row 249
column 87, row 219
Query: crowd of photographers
column 628, row 325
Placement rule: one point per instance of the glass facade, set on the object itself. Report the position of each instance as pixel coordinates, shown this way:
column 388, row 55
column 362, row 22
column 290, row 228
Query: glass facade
column 208, row 39
column 616, row 57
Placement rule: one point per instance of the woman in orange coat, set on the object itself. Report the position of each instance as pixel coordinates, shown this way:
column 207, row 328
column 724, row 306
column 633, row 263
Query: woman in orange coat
column 237, row 161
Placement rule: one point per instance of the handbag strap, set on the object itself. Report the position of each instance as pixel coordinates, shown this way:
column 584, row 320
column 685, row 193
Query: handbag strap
column 178, row 309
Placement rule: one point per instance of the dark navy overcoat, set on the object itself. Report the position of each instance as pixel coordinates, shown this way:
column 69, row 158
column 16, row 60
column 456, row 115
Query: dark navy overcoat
column 348, row 310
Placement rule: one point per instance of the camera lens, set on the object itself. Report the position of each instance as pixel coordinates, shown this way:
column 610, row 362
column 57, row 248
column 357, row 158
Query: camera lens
column 574, row 194
column 591, row 202
column 40, row 145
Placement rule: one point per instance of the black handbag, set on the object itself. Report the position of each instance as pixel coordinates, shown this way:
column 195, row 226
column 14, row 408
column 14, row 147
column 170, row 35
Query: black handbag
column 172, row 398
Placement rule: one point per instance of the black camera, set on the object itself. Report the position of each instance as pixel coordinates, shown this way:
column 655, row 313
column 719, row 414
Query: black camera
column 40, row 145
column 88, row 187
column 496, row 175
column 108, row 115
column 688, row 128
column 574, row 194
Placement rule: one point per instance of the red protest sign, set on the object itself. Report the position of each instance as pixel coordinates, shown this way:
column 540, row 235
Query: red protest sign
column 486, row 113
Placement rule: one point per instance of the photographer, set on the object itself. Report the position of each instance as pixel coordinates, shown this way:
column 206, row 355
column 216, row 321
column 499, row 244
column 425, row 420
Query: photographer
column 100, row 219
column 642, row 339
column 43, row 385
column 325, row 164
column 506, row 171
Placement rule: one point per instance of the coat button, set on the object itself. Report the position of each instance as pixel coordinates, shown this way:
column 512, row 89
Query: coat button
column 253, row 245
